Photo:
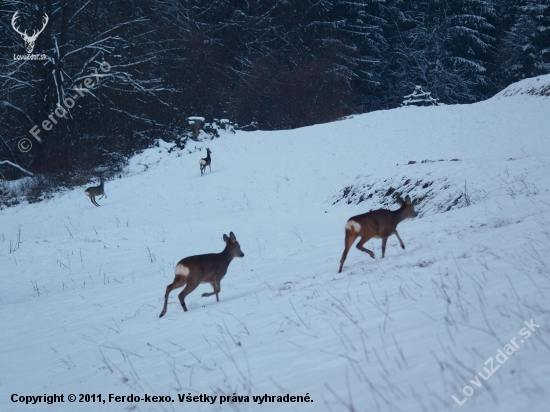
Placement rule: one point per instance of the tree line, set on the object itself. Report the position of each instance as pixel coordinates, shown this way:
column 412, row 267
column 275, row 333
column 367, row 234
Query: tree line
column 271, row 64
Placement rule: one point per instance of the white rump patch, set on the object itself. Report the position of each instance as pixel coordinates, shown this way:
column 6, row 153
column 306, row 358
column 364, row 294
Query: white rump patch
column 202, row 162
column 181, row 270
column 353, row 224
column 87, row 193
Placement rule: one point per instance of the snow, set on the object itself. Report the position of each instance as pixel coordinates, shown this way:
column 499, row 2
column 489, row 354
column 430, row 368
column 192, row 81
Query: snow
column 534, row 86
column 82, row 286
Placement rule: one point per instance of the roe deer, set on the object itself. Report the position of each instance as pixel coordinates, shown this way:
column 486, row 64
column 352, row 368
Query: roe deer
column 206, row 162
column 94, row 191
column 379, row 224
column 210, row 268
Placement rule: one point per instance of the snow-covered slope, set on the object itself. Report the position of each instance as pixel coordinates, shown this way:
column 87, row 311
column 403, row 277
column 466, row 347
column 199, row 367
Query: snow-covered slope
column 534, row 86
column 82, row 286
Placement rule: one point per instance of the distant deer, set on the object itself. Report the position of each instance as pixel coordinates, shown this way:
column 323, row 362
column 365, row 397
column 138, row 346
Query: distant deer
column 210, row 268
column 94, row 191
column 206, row 162
column 379, row 224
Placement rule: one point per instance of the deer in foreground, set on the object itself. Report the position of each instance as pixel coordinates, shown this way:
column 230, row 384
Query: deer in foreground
column 94, row 191
column 206, row 162
column 379, row 224
column 210, row 268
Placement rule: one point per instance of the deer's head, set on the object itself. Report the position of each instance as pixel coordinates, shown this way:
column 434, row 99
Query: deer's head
column 407, row 206
column 29, row 40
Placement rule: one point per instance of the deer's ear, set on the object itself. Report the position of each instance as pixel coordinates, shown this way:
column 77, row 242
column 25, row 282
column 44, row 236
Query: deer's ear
column 408, row 200
column 225, row 238
column 232, row 237
column 400, row 201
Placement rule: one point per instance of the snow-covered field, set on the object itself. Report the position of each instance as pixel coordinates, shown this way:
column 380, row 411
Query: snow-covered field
column 82, row 286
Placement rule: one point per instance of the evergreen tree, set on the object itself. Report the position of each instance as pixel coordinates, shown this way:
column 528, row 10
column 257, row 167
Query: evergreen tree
column 280, row 63
column 525, row 46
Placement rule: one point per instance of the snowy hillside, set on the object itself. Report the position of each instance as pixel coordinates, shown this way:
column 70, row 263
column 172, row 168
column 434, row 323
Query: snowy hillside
column 82, row 286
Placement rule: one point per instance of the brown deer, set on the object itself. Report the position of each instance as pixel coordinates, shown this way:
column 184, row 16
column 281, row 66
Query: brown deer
column 210, row 268
column 379, row 224
column 94, row 191
column 206, row 162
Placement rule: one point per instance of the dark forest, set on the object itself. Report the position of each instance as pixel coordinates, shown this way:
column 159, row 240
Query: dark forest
column 265, row 64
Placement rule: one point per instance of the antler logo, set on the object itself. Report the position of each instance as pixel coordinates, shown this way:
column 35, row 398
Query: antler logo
column 29, row 40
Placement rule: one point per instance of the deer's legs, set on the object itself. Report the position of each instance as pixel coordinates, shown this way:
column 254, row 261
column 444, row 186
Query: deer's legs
column 216, row 286
column 177, row 283
column 348, row 242
column 92, row 198
column 359, row 246
column 189, row 287
column 398, row 237
column 384, row 240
